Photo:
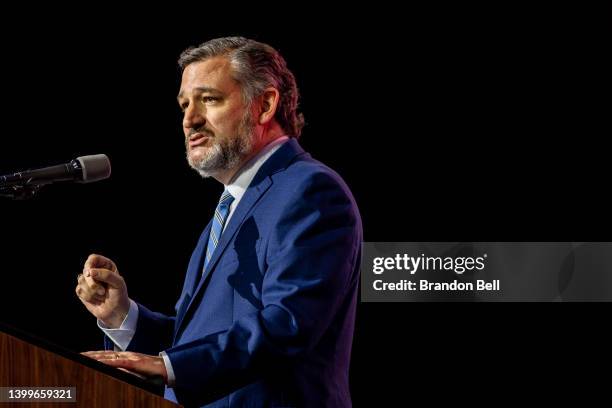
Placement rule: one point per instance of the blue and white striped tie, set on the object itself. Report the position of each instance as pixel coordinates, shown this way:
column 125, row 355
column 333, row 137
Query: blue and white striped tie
column 218, row 222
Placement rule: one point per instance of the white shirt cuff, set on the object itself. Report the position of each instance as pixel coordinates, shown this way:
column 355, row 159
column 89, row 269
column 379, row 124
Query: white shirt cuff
column 169, row 369
column 124, row 334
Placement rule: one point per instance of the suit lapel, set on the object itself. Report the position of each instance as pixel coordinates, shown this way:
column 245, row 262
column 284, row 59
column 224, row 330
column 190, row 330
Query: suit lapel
column 193, row 275
column 199, row 264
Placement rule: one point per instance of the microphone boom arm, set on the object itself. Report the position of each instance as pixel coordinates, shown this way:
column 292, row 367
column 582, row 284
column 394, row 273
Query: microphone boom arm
column 22, row 192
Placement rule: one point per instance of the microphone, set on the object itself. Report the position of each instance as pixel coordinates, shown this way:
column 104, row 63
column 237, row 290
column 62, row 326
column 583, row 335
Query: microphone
column 85, row 169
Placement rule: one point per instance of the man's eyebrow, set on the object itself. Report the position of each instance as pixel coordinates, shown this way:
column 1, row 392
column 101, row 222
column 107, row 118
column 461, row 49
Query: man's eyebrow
column 200, row 89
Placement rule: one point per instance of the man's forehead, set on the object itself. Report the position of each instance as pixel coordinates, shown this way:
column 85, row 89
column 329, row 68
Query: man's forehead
column 213, row 73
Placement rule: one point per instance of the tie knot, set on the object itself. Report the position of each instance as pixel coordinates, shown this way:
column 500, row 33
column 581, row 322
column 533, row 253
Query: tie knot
column 226, row 199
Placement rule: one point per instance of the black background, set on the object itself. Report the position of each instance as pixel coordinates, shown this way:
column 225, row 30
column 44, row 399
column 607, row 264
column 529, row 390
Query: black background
column 448, row 124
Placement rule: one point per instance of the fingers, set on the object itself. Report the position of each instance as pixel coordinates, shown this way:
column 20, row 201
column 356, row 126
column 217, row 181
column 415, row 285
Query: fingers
column 123, row 359
column 93, row 354
column 99, row 261
column 89, row 290
column 140, row 363
column 109, row 355
column 107, row 276
column 93, row 285
column 114, row 358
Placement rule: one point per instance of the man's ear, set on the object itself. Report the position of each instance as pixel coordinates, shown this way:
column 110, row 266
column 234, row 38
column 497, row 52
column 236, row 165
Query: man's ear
column 269, row 103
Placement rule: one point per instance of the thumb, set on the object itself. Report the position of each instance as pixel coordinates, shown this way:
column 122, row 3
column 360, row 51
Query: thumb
column 104, row 275
column 99, row 261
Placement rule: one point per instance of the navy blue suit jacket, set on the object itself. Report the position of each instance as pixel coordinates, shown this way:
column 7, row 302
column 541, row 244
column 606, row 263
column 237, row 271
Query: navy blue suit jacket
column 270, row 322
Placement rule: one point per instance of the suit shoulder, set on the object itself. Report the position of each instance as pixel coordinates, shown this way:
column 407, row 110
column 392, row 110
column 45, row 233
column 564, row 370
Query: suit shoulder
column 307, row 172
column 308, row 191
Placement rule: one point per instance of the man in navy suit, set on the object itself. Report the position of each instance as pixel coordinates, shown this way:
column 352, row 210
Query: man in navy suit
column 267, row 311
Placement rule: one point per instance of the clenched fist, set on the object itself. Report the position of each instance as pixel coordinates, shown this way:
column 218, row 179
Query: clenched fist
column 103, row 291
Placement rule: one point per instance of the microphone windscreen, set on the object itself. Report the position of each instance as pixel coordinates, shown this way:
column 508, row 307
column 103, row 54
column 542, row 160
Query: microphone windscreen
column 95, row 167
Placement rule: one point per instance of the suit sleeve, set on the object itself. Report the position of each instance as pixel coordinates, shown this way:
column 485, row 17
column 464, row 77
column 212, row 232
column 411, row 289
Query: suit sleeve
column 311, row 258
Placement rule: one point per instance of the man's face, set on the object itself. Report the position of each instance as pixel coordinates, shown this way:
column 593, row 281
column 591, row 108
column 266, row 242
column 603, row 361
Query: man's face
column 217, row 125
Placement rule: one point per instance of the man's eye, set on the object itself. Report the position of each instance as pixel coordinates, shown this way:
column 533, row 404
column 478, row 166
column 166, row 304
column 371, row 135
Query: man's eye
column 207, row 99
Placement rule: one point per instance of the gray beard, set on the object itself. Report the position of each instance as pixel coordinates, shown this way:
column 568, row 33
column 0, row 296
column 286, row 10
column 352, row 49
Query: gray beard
column 225, row 155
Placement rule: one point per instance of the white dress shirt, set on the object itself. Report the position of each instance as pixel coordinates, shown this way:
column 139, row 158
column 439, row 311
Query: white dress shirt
column 124, row 334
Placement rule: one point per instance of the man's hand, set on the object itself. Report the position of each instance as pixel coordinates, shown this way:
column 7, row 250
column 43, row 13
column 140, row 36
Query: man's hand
column 136, row 362
column 103, row 291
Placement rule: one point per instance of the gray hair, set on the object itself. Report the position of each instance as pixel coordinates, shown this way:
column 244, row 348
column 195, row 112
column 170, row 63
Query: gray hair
column 255, row 66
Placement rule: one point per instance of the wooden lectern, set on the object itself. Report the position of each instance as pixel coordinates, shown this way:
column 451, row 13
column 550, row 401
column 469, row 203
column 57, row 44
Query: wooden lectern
column 29, row 362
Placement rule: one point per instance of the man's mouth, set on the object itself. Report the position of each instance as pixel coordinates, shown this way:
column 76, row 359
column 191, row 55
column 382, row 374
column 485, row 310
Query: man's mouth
column 197, row 139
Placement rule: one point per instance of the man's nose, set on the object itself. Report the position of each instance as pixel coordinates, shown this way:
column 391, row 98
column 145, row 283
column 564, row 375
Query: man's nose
column 193, row 117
